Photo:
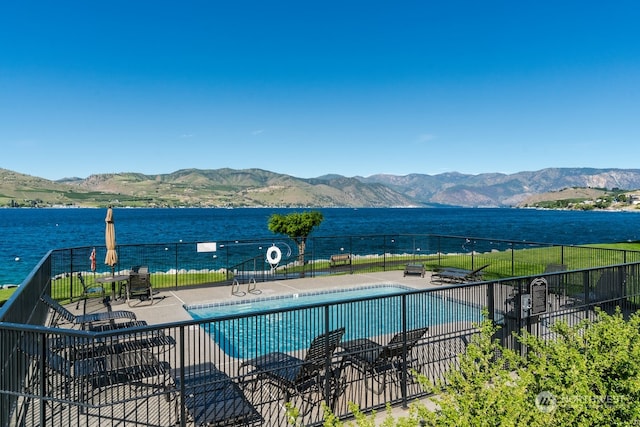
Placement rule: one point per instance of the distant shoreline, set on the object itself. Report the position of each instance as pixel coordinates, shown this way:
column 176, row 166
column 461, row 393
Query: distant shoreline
column 631, row 208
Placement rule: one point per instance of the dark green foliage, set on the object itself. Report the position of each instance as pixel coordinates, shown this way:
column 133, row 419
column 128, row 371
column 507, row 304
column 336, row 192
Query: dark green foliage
column 296, row 225
column 582, row 375
column 589, row 374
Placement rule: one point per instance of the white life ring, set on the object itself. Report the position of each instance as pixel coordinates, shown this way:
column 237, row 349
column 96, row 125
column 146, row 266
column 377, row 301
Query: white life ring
column 274, row 255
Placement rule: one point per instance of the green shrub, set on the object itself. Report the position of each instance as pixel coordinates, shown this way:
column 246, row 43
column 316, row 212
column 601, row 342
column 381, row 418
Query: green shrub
column 589, row 375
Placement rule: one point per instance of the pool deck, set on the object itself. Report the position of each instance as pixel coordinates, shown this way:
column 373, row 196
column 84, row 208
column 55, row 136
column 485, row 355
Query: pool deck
column 169, row 304
column 168, row 307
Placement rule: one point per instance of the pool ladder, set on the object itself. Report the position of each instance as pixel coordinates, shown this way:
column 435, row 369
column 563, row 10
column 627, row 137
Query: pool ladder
column 251, row 288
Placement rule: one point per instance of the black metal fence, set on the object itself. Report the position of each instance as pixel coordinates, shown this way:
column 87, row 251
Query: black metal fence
column 182, row 264
column 228, row 369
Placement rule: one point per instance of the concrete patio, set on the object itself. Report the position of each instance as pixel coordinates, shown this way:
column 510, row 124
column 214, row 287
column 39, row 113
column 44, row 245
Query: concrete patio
column 168, row 304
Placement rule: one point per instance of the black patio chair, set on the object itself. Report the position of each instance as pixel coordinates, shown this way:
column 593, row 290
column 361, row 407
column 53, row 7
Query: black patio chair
column 379, row 361
column 84, row 320
column 211, row 398
column 139, row 286
column 95, row 292
column 79, row 379
column 457, row 275
column 306, row 378
column 127, row 340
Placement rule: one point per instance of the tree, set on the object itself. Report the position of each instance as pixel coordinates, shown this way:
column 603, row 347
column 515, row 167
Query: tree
column 297, row 226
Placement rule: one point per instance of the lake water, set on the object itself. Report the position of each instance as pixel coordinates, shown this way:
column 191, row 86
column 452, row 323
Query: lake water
column 27, row 234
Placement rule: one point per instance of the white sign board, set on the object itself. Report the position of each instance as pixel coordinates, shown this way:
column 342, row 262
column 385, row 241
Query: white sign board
column 207, row 247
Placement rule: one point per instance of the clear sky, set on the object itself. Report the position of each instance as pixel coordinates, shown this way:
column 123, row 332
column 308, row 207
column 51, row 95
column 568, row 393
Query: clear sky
column 309, row 88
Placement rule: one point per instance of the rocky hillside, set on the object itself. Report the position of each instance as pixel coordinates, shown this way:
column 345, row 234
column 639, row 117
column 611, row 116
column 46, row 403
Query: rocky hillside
column 502, row 190
column 194, row 187
column 257, row 187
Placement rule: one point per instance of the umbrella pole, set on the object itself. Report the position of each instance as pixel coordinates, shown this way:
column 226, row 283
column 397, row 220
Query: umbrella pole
column 113, row 284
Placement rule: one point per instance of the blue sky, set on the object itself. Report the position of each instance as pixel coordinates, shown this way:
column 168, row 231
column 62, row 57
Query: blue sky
column 311, row 88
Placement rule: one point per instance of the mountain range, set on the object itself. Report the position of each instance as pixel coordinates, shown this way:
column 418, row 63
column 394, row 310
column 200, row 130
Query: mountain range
column 260, row 188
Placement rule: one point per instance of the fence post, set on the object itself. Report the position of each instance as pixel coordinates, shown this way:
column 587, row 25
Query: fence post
column 384, row 253
column 226, row 251
column 403, row 372
column 70, row 276
column 43, row 379
column 491, row 304
column 518, row 314
column 183, row 413
column 327, row 359
column 513, row 259
column 312, row 258
column 177, row 266
column 586, row 285
column 351, row 254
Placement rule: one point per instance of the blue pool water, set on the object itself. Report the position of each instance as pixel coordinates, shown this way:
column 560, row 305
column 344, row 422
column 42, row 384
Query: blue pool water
column 298, row 320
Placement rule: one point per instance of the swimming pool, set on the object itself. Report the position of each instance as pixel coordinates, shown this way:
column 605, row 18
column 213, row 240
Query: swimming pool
column 297, row 319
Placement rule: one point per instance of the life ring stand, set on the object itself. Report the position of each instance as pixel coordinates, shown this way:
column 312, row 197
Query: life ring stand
column 274, row 256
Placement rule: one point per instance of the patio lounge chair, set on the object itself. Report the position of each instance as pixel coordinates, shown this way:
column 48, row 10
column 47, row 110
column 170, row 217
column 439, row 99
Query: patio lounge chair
column 83, row 320
column 82, row 347
column 378, row 360
column 211, row 398
column 414, row 269
column 295, row 376
column 457, row 275
column 106, row 327
column 79, row 379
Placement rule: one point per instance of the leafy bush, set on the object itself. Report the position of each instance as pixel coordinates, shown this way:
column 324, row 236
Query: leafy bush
column 588, row 375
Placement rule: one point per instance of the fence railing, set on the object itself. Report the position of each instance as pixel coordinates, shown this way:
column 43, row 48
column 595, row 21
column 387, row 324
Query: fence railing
column 243, row 368
column 179, row 264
